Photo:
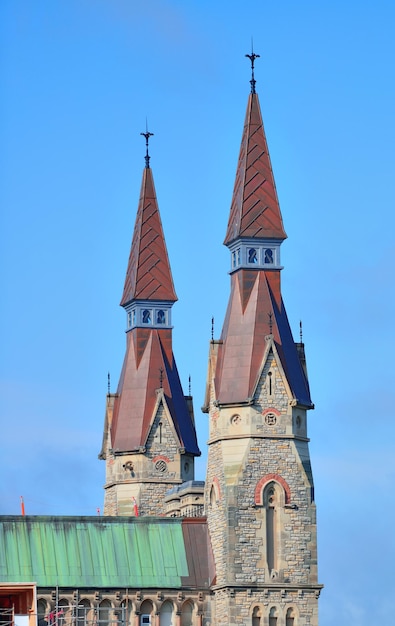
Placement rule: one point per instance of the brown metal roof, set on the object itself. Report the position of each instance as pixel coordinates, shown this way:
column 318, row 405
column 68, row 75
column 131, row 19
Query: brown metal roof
column 149, row 365
column 148, row 275
column 255, row 211
column 255, row 310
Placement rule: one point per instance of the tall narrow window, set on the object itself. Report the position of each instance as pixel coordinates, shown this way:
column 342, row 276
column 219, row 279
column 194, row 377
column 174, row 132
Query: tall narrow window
column 187, row 614
column 290, row 618
column 256, row 616
column 270, row 375
column 268, row 255
column 125, row 616
column 160, row 317
column 104, row 613
column 166, row 614
column 146, row 316
column 41, row 613
column 252, row 256
column 146, row 611
column 64, row 612
column 273, row 616
column 83, row 612
column 271, row 500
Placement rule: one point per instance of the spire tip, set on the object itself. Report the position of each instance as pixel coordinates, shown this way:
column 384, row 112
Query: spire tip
column 252, row 58
column 147, row 135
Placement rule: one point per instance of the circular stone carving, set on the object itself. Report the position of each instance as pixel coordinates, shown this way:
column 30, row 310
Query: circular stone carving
column 161, row 466
column 270, row 419
column 235, row 419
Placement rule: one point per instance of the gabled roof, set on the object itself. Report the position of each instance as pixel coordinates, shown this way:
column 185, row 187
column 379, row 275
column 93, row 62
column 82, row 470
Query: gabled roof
column 148, row 366
column 108, row 552
column 255, row 211
column 255, row 310
column 148, row 275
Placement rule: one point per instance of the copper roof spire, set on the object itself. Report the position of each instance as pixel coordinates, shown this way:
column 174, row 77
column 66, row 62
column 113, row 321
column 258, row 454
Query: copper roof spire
column 254, row 236
column 149, row 362
column 255, row 210
column 148, row 275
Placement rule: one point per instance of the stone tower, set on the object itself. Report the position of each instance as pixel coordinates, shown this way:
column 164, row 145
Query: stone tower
column 259, row 490
column 149, row 441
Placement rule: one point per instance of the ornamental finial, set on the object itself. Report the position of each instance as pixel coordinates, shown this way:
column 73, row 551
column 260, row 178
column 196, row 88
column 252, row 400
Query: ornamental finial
column 147, row 135
column 252, row 58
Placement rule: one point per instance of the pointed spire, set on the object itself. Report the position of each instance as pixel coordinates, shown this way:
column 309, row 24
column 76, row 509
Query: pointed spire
column 255, row 306
column 255, row 210
column 148, row 275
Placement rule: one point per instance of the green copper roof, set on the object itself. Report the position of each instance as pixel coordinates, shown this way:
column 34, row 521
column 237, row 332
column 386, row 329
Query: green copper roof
column 97, row 552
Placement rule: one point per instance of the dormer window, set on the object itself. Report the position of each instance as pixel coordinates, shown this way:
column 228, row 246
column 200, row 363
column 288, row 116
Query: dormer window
column 252, row 255
column 146, row 316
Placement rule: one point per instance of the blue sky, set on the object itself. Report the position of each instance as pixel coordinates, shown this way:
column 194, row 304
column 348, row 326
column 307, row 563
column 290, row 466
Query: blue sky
column 78, row 79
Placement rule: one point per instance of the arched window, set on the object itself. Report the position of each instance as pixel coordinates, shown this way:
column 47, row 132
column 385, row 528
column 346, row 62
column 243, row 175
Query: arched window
column 290, row 618
column 268, row 255
column 83, row 609
column 41, row 612
column 187, row 614
column 146, row 613
column 146, row 316
column 271, row 501
column 252, row 256
column 256, row 616
column 166, row 614
column 103, row 617
column 126, row 616
column 214, row 493
column 160, row 317
column 273, row 614
column 64, row 615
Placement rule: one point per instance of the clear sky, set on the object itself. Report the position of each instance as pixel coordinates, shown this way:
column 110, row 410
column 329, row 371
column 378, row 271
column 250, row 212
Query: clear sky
column 78, row 79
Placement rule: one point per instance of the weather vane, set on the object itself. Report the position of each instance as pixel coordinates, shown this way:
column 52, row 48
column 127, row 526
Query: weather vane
column 252, row 58
column 147, row 135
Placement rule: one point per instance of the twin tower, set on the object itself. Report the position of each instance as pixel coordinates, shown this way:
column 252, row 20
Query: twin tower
column 258, row 497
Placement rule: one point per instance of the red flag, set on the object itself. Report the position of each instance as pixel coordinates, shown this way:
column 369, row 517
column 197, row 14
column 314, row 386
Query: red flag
column 135, row 507
column 22, row 506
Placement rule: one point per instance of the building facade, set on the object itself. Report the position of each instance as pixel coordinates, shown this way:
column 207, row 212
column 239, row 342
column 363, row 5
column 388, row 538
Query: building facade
column 239, row 549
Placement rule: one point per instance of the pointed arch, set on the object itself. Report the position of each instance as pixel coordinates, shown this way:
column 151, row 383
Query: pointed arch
column 260, row 486
column 215, row 492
